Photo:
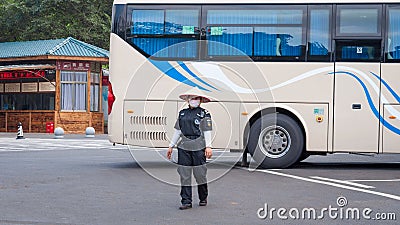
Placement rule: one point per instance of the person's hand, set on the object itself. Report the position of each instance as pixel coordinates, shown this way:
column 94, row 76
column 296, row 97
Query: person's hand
column 169, row 152
column 208, row 153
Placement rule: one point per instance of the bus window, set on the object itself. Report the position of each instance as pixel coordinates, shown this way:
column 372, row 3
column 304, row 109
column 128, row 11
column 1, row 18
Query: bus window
column 278, row 41
column 165, row 33
column 261, row 32
column 230, row 41
column 256, row 16
column 393, row 40
column 358, row 50
column 148, row 21
column 319, row 42
column 118, row 20
column 358, row 20
column 167, row 47
column 181, row 21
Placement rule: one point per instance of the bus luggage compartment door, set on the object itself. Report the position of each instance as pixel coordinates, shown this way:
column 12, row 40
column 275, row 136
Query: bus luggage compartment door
column 391, row 138
column 149, row 123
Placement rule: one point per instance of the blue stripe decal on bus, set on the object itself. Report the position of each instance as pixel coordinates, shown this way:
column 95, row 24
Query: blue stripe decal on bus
column 371, row 104
column 183, row 65
column 170, row 71
column 388, row 87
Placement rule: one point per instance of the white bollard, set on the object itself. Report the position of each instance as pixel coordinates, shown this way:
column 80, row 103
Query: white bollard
column 20, row 134
column 59, row 133
column 90, row 132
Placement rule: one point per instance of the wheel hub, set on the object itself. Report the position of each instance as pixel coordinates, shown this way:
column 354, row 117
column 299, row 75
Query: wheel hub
column 274, row 141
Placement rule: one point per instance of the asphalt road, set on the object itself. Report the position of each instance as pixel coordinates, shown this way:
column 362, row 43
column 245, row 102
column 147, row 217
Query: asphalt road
column 80, row 181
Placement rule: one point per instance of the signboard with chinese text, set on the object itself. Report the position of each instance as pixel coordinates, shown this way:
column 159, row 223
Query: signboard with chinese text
column 21, row 74
column 73, row 65
column 47, row 86
column 1, row 88
column 12, row 87
column 29, row 87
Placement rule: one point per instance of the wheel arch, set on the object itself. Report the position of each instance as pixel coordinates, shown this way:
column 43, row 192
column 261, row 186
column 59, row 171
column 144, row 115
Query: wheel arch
column 281, row 109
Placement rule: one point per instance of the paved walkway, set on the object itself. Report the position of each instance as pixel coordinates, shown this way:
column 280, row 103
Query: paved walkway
column 51, row 136
column 47, row 142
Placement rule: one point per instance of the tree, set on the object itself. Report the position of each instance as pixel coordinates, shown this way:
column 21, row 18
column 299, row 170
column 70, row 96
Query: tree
column 85, row 20
column 12, row 15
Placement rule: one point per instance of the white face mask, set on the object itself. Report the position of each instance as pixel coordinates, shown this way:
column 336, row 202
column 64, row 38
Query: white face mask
column 194, row 103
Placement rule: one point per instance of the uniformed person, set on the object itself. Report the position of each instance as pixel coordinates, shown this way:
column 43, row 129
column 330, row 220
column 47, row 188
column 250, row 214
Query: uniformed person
column 193, row 128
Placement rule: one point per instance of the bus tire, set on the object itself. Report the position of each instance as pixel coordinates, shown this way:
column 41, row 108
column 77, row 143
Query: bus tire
column 304, row 156
column 276, row 141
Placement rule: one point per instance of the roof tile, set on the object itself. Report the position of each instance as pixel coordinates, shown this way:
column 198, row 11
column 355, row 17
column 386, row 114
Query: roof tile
column 57, row 47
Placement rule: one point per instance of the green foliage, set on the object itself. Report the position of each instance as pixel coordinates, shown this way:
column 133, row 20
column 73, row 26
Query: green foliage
column 85, row 20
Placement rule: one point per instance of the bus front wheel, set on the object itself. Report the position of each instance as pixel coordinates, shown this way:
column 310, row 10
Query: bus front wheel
column 275, row 141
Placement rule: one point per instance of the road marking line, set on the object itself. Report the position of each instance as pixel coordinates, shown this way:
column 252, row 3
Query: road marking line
column 342, row 182
column 395, row 197
column 393, row 180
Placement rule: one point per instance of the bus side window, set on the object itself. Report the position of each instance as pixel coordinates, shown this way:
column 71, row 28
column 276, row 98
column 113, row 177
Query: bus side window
column 165, row 33
column 393, row 40
column 358, row 50
column 319, row 36
column 263, row 32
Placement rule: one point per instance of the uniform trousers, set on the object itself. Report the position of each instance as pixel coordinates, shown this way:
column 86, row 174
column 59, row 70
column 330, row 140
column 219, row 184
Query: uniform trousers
column 192, row 161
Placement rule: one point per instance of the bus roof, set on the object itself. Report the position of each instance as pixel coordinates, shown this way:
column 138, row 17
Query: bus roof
column 250, row 1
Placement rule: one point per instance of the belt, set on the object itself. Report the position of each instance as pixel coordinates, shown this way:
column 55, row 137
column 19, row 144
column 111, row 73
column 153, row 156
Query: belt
column 192, row 137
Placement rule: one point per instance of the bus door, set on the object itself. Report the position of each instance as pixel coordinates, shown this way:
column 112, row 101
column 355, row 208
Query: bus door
column 356, row 101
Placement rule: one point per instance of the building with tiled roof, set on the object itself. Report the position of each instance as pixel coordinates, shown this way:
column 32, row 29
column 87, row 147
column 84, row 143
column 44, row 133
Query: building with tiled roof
column 52, row 83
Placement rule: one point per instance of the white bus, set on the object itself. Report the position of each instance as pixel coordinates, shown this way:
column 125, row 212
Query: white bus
column 288, row 78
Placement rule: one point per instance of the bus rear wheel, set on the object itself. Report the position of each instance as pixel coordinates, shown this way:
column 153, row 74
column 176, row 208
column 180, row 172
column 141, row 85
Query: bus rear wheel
column 275, row 141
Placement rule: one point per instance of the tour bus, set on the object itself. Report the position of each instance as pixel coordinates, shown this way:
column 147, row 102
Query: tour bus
column 287, row 78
